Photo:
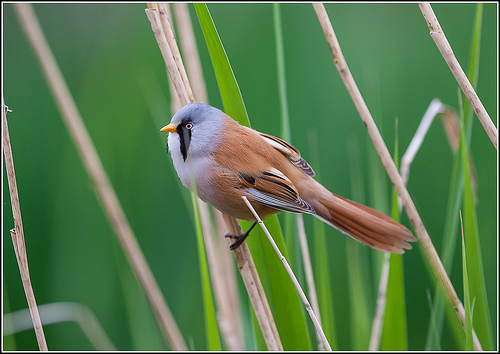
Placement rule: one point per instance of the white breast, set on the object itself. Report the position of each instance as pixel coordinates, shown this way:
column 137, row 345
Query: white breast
column 196, row 168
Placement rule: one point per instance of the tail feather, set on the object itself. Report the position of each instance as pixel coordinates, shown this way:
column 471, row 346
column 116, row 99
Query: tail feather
column 365, row 224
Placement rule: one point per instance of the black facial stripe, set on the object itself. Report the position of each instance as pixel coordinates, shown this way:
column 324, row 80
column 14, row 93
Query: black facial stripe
column 184, row 138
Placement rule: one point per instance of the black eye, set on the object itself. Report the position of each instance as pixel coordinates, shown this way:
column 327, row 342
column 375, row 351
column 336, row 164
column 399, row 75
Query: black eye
column 189, row 126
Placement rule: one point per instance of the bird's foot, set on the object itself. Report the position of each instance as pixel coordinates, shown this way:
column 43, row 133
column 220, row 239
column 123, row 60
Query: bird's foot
column 239, row 238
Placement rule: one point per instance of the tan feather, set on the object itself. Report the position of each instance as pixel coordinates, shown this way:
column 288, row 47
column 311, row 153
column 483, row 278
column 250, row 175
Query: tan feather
column 365, row 224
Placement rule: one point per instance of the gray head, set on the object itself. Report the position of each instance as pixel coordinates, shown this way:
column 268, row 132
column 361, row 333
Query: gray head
column 194, row 129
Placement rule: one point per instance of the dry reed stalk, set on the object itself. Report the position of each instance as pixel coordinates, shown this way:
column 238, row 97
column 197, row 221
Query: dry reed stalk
column 92, row 163
column 152, row 13
column 220, row 265
column 451, row 127
column 311, row 286
column 17, row 234
column 452, row 131
column 231, row 335
column 204, row 214
column 255, row 292
column 169, row 35
column 435, row 107
column 242, row 254
column 425, row 241
column 378, row 319
column 225, row 317
column 191, row 56
column 444, row 47
column 283, row 260
column 231, row 301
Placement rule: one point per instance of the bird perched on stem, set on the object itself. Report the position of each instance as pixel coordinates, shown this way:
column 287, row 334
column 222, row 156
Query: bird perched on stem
column 226, row 161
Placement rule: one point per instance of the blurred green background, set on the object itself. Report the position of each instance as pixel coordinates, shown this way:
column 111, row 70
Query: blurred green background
column 114, row 69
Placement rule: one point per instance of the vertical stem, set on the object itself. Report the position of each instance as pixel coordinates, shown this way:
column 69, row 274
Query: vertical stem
column 18, row 234
column 283, row 260
column 111, row 205
column 378, row 319
column 309, row 273
column 378, row 142
column 254, row 288
column 222, row 275
column 190, row 51
column 172, row 44
column 444, row 47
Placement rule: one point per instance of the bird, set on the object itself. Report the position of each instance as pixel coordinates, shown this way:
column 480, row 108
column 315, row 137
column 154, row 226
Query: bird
column 224, row 161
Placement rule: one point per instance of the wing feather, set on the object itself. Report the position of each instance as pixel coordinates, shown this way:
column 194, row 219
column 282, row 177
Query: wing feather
column 290, row 152
column 275, row 190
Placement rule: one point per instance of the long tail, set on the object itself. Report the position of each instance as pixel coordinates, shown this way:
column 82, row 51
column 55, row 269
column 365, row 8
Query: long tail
column 364, row 224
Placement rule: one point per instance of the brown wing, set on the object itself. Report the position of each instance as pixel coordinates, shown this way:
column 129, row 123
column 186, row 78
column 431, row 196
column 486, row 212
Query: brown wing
column 290, row 152
column 256, row 164
column 274, row 189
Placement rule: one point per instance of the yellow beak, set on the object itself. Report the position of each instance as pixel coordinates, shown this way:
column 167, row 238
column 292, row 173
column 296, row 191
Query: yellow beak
column 169, row 128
